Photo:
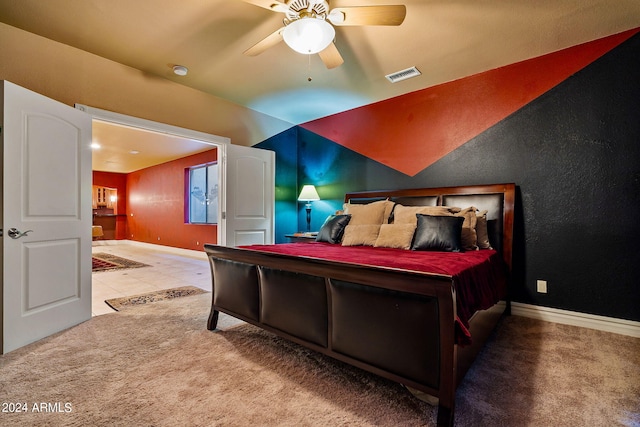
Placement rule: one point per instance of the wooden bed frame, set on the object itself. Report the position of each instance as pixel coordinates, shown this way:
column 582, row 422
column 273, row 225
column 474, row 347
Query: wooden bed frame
column 330, row 306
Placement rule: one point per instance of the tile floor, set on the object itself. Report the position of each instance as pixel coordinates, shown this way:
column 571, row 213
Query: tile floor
column 168, row 268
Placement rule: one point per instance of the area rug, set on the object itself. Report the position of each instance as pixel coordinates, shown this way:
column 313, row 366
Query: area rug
column 158, row 365
column 119, row 303
column 107, row 262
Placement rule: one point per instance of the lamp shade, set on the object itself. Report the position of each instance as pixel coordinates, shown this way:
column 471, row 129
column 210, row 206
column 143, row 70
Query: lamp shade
column 308, row 194
column 308, row 35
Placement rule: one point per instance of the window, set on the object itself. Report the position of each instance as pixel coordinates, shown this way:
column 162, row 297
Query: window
column 203, row 194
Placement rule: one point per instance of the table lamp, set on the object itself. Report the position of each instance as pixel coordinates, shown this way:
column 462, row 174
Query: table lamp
column 308, row 194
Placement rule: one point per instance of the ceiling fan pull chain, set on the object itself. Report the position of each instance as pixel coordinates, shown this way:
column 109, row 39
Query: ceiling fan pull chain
column 309, row 78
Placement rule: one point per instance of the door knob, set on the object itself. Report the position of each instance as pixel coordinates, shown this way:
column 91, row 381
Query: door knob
column 14, row 233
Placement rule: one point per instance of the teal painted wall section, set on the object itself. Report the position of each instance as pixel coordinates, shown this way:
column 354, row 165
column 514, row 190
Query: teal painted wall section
column 285, row 145
column 303, row 157
column 333, row 169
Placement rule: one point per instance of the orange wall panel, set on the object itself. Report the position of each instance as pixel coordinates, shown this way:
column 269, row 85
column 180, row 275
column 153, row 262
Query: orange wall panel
column 410, row 132
column 156, row 205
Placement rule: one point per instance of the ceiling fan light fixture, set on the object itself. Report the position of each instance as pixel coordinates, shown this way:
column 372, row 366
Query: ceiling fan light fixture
column 308, row 35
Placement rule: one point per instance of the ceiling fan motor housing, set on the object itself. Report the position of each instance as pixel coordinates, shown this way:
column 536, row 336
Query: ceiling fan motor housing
column 300, row 8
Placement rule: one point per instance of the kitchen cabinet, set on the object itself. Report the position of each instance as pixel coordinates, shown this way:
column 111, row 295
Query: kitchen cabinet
column 104, row 197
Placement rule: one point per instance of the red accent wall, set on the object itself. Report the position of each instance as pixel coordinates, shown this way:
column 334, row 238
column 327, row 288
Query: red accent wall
column 119, row 182
column 410, row 132
column 155, row 205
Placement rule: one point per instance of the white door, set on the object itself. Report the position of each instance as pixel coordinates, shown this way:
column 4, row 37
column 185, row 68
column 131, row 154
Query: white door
column 250, row 197
column 46, row 217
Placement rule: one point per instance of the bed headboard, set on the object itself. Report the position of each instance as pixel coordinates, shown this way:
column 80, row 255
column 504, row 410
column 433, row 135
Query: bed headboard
column 497, row 199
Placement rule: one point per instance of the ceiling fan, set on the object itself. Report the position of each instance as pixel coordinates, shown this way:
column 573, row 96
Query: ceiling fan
column 308, row 25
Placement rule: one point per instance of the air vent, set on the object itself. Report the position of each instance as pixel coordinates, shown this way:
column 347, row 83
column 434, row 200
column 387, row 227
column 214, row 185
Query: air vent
column 403, row 75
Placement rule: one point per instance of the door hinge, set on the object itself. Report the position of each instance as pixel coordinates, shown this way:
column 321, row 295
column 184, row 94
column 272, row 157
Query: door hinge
column 224, row 215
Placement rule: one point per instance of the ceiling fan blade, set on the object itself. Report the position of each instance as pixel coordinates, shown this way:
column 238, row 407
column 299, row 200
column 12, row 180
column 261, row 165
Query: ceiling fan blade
column 330, row 56
column 264, row 44
column 274, row 5
column 368, row 15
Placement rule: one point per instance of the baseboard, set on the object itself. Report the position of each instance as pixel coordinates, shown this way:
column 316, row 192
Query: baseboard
column 178, row 251
column 584, row 320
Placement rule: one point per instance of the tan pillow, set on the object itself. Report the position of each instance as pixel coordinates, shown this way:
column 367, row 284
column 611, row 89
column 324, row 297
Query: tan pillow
column 469, row 237
column 395, row 236
column 363, row 234
column 371, row 213
column 388, row 208
column 481, row 230
column 407, row 214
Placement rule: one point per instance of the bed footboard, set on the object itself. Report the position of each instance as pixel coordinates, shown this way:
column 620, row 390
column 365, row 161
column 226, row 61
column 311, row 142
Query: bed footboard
column 396, row 324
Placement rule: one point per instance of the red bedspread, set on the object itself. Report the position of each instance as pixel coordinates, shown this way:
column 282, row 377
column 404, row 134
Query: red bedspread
column 478, row 276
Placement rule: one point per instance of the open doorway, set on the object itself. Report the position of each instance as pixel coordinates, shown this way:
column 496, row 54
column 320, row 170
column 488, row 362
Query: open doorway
column 129, row 150
column 125, row 145
column 246, row 202
column 142, row 187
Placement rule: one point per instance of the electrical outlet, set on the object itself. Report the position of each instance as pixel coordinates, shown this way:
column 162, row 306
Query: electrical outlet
column 542, row 286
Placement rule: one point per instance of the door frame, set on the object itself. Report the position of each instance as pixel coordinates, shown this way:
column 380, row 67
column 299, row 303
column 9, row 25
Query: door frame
column 220, row 142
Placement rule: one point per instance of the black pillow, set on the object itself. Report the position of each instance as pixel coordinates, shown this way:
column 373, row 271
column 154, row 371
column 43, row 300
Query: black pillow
column 333, row 228
column 438, row 233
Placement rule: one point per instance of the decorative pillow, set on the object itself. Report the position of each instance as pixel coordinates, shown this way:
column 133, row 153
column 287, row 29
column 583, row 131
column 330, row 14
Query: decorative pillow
column 388, row 209
column 363, row 234
column 469, row 236
column 333, row 228
column 395, row 236
column 481, row 230
column 438, row 233
column 407, row 214
column 370, row 213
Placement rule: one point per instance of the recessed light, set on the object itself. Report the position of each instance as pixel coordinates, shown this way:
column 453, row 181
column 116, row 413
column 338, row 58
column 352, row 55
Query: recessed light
column 134, row 152
column 180, row 70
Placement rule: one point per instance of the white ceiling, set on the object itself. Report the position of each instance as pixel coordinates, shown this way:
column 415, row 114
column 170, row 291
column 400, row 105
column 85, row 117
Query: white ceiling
column 126, row 149
column 445, row 39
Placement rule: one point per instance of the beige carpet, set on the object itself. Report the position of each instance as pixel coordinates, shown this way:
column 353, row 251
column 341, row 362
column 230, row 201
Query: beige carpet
column 157, row 365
